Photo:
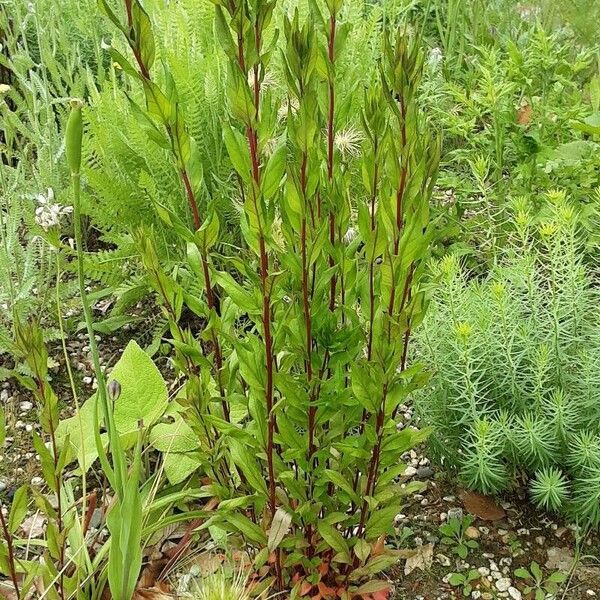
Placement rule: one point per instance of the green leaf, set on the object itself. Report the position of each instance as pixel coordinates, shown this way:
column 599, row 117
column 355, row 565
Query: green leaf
column 208, row 234
column 274, row 171
column 238, row 151
column 333, row 537
column 144, row 36
column 338, row 480
column 174, row 437
column 245, row 461
column 522, row 573
column 144, row 394
column 456, row 579
column 536, row 571
column 46, row 461
column 18, row 509
column 245, row 526
column 381, row 521
column 123, row 63
column 105, row 8
column 362, row 549
column 179, row 466
column 158, row 104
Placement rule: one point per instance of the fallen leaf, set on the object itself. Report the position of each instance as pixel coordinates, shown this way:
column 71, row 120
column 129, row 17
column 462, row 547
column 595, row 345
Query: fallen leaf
column 421, row 559
column 325, row 591
column 305, row 588
column 34, row 526
column 7, row 591
column 484, row 507
column 379, row 546
column 524, row 114
column 209, row 563
column 156, row 592
column 559, row 559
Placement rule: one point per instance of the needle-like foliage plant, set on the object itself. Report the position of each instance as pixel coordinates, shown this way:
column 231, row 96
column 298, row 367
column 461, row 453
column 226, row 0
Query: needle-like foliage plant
column 515, row 359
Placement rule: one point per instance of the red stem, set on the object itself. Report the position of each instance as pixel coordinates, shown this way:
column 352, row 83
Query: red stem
column 252, row 136
column 11, row 555
column 330, row 153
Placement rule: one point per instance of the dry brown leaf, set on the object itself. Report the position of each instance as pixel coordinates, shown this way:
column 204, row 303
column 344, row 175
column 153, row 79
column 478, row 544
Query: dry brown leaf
column 484, row 507
column 160, row 591
column 7, row 591
column 421, row 559
column 560, row 559
column 524, row 114
column 208, row 563
column 34, row 526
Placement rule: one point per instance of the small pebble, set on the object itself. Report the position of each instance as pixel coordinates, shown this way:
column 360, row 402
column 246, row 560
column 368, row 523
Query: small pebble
column 37, row 481
column 410, row 472
column 503, row 584
column 514, row 593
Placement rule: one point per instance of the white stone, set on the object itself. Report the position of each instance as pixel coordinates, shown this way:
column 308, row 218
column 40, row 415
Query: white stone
column 514, row 593
column 503, row 584
column 410, row 472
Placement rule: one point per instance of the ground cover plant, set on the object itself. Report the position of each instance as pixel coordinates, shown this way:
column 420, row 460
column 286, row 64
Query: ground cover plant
column 295, row 293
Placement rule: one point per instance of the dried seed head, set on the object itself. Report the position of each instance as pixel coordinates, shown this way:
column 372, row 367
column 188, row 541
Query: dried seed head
column 348, row 142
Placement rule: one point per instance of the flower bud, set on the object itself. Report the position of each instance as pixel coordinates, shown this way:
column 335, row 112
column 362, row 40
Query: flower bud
column 114, row 390
column 73, row 136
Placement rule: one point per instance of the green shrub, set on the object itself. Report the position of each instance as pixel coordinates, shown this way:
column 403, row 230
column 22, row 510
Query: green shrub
column 290, row 385
column 515, row 364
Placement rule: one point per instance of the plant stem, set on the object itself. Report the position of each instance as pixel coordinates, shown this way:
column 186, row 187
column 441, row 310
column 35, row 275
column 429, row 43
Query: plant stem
column 330, row 150
column 193, row 204
column 74, row 393
column 11, row 554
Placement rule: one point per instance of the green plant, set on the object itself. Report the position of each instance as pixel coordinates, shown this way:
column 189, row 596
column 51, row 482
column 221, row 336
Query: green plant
column 537, row 583
column 307, row 317
column 513, row 353
column 464, row 581
column 454, row 535
column 550, row 489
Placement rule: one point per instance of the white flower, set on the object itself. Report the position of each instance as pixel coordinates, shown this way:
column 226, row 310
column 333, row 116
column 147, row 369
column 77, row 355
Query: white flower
column 348, row 141
column 4, row 88
column 48, row 213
